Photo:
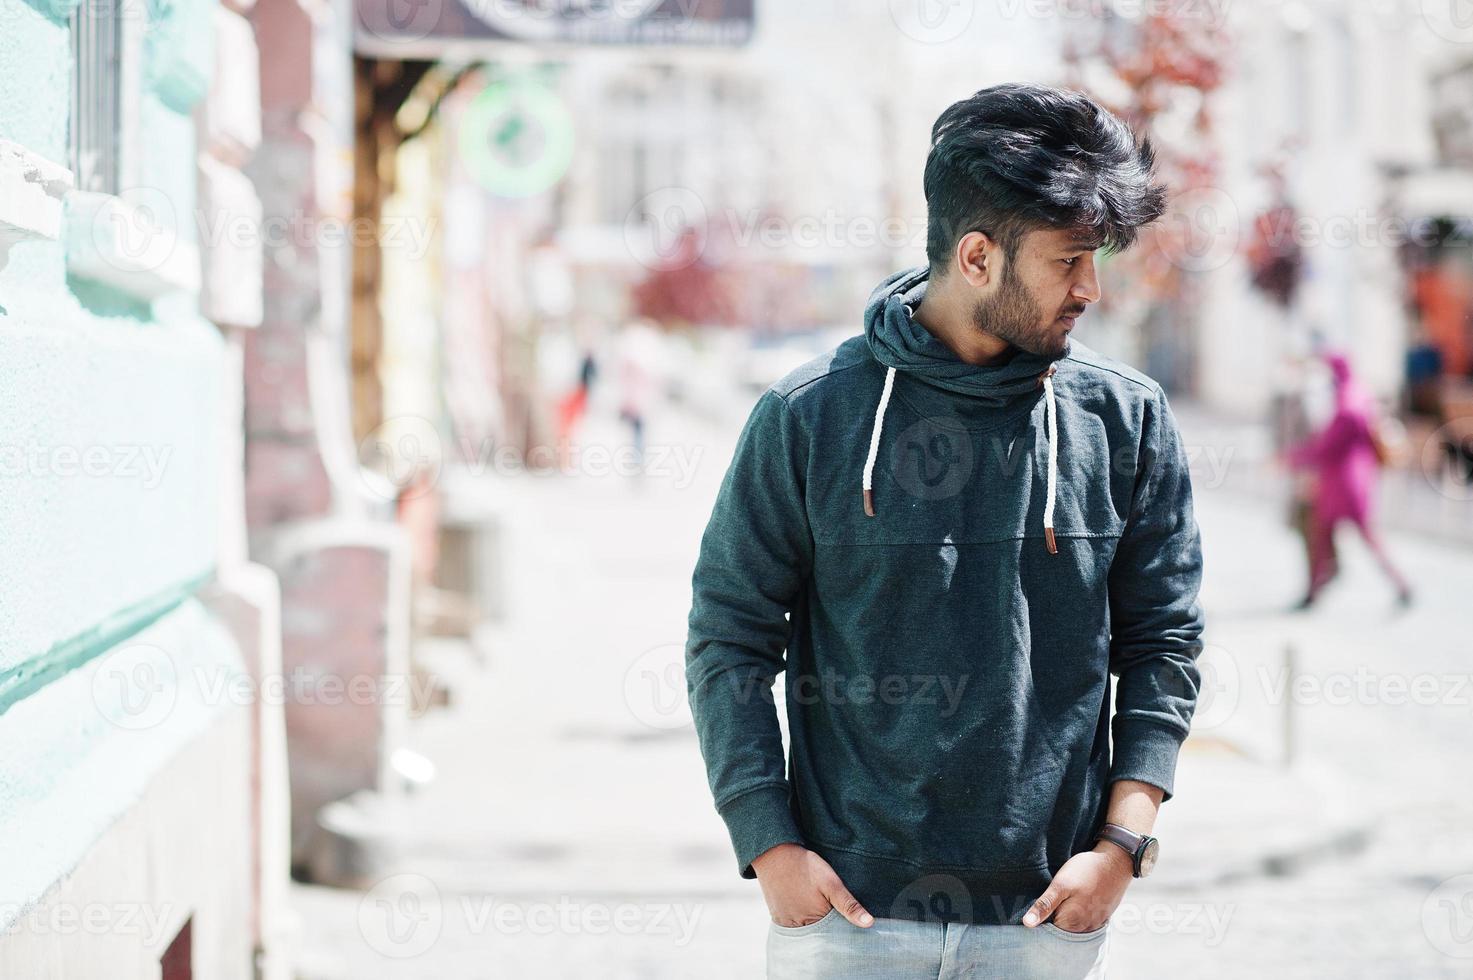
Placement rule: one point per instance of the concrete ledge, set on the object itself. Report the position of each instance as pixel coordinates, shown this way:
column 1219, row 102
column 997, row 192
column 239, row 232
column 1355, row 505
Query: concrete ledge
column 31, row 191
column 231, row 293
column 83, row 750
column 112, row 241
column 247, row 598
column 178, row 51
column 230, row 115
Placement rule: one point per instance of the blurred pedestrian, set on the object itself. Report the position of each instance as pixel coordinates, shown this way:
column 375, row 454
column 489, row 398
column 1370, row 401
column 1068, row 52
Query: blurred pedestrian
column 1344, row 457
column 574, row 405
column 638, row 352
column 1424, row 374
column 1297, row 412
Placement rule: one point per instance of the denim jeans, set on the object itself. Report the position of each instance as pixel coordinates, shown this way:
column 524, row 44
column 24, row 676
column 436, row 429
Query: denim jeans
column 900, row 949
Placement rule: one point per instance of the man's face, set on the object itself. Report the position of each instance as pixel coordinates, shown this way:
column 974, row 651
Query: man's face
column 1048, row 284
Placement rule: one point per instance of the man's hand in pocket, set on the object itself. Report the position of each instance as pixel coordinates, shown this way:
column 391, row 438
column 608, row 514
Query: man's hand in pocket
column 1086, row 891
column 800, row 887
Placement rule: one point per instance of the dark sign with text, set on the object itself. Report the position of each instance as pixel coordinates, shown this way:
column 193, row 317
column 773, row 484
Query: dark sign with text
column 434, row 28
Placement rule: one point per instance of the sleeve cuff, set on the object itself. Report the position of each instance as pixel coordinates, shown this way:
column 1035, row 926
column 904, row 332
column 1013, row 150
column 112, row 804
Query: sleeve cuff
column 1146, row 752
column 758, row 821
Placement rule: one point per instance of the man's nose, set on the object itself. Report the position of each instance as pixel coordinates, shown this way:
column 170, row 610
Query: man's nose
column 1086, row 287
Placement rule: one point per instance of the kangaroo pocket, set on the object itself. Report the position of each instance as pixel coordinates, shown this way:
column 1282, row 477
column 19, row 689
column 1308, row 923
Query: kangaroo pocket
column 970, row 801
column 949, row 727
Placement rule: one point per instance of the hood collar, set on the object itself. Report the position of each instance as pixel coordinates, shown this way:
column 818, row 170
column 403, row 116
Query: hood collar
column 897, row 340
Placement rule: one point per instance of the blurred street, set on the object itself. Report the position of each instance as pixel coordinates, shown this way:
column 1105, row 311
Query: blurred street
column 570, row 833
column 369, row 370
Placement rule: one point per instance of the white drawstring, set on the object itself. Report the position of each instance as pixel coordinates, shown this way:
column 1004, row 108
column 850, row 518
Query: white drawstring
column 1053, row 461
column 1051, row 421
column 874, row 444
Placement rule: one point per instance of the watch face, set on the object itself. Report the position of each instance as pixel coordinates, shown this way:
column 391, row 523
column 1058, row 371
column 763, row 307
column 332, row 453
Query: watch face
column 1149, row 855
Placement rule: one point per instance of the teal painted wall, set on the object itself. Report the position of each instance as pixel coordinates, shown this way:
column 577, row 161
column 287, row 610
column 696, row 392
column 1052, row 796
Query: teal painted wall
column 109, row 409
column 110, row 442
column 80, row 752
column 35, row 78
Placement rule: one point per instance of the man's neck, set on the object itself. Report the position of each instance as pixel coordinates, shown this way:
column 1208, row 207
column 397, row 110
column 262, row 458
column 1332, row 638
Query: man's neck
column 947, row 319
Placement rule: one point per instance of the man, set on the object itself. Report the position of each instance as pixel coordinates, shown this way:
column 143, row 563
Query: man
column 950, row 532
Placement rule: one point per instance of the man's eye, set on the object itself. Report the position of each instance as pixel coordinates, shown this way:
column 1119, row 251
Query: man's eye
column 1070, row 262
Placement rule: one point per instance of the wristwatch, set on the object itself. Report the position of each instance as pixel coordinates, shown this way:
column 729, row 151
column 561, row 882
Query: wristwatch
column 1143, row 849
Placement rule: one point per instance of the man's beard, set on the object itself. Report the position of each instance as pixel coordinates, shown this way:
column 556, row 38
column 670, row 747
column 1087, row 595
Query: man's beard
column 1014, row 316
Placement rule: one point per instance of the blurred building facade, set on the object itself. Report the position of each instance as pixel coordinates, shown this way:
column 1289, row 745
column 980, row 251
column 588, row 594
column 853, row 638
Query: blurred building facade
column 204, row 640
column 142, row 778
column 1325, row 106
column 762, row 189
column 796, row 160
column 324, row 525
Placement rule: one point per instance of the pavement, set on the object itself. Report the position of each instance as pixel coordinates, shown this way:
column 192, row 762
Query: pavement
column 1319, row 826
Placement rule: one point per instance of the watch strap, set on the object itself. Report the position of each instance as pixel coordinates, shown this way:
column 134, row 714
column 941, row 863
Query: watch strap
column 1128, row 840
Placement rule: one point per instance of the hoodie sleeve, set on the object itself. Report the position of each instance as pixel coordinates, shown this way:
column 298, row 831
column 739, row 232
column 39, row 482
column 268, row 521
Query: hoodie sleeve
column 1155, row 620
column 755, row 554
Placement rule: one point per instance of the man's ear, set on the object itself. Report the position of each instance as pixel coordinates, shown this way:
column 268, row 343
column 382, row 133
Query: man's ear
column 978, row 257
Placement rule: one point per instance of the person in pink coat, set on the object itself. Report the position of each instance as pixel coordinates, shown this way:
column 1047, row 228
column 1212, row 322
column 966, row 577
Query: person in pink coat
column 1344, row 459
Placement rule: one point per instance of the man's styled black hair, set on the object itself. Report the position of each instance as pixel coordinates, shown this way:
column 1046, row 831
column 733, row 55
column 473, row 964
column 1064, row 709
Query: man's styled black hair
column 1017, row 157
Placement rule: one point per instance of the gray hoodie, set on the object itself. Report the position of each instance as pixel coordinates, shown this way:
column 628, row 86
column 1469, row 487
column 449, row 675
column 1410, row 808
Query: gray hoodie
column 949, row 562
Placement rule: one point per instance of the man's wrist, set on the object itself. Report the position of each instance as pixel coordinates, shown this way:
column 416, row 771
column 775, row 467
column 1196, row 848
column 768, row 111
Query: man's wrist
column 775, row 853
column 1117, row 856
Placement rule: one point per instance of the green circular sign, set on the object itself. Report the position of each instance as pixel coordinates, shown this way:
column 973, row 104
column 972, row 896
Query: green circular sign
column 517, row 138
